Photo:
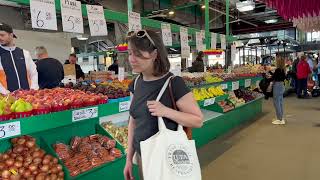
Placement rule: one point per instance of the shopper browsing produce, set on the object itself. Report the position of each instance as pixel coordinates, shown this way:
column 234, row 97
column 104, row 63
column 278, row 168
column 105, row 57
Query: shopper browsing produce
column 148, row 56
column 278, row 79
column 303, row 71
column 73, row 60
column 114, row 67
column 17, row 69
column 198, row 65
column 50, row 70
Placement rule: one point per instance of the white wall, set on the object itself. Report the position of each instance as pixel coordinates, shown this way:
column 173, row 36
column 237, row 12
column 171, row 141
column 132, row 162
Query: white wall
column 57, row 44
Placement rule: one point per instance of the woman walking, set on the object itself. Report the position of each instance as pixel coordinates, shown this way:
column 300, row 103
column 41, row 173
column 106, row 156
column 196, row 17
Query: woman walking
column 148, row 57
column 278, row 79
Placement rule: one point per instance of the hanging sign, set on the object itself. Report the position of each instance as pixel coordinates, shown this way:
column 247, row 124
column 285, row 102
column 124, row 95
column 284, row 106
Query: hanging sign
column 199, row 41
column 134, row 21
column 185, row 51
column 185, row 48
column 213, row 41
column 97, row 22
column 166, row 34
column 223, row 41
column 233, row 53
column 121, row 73
column 43, row 14
column 10, row 129
column 71, row 16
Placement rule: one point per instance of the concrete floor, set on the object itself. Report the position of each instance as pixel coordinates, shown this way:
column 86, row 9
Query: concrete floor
column 262, row 151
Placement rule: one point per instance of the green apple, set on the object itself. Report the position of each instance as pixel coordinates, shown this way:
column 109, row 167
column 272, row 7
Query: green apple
column 20, row 108
column 28, row 107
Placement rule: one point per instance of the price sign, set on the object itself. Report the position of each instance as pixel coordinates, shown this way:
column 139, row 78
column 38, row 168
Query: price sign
column 185, row 51
column 121, row 73
column 71, row 16
column 223, row 41
column 43, row 14
column 199, row 41
column 134, row 21
column 10, row 129
column 82, row 114
column 247, row 83
column 235, row 85
column 209, row 102
column 166, row 34
column 213, row 41
column 124, row 106
column 257, row 84
column 97, row 23
column 224, row 86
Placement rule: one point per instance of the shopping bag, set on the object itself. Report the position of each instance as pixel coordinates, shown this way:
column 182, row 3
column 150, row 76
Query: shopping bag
column 169, row 155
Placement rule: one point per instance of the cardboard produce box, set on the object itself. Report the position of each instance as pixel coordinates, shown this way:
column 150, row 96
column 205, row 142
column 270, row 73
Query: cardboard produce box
column 100, row 75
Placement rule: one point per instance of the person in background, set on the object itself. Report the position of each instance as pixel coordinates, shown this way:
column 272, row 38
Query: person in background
column 114, row 67
column 73, row 60
column 303, row 71
column 278, row 79
column 310, row 62
column 294, row 74
column 318, row 66
column 17, row 69
column 198, row 64
column 50, row 70
column 149, row 58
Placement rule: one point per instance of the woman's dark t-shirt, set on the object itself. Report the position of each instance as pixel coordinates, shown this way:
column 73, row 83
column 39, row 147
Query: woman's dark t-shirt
column 146, row 124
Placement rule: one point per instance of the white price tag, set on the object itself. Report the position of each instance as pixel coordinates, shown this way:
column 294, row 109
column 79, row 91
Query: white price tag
column 247, row 83
column 71, row 16
column 257, row 84
column 10, row 129
column 121, row 73
column 166, row 34
column 223, row 41
column 43, row 14
column 82, row 114
column 134, row 21
column 124, row 106
column 209, row 102
column 97, row 22
column 199, row 41
column 184, row 37
column 235, row 85
column 224, row 86
column 213, row 41
column 185, row 51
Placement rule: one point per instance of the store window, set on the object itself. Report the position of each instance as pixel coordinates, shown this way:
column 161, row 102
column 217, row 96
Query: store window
column 313, row 36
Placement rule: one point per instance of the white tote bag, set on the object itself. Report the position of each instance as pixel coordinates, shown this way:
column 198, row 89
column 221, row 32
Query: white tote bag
column 169, row 155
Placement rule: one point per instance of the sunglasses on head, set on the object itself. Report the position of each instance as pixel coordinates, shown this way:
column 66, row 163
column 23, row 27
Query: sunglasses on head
column 141, row 34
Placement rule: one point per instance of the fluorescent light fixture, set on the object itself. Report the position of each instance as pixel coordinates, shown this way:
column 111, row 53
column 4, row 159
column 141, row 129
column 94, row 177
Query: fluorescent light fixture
column 171, row 12
column 271, row 21
column 172, row 49
column 243, row 6
column 82, row 38
column 203, row 6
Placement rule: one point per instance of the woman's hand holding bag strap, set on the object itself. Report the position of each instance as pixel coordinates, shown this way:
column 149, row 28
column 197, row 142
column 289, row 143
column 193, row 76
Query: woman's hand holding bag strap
column 187, row 130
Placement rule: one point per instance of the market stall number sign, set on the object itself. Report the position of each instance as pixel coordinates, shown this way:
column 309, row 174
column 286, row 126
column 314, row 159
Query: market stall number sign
column 82, row 114
column 235, row 85
column 209, row 102
column 10, row 129
column 224, row 86
column 247, row 83
column 124, row 106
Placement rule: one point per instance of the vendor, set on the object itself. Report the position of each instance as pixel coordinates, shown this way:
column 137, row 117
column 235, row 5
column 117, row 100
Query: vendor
column 73, row 60
column 114, row 67
column 17, row 69
column 50, row 70
column 198, row 64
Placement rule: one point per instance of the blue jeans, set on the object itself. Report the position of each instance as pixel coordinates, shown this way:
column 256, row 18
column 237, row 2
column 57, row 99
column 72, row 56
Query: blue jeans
column 278, row 90
column 302, row 86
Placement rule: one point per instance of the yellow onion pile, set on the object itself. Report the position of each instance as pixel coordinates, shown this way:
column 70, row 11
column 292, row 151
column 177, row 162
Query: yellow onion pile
column 26, row 161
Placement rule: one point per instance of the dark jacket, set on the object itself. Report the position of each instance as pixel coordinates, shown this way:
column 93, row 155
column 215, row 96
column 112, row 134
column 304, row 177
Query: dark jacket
column 197, row 66
column 50, row 73
column 114, row 67
column 79, row 72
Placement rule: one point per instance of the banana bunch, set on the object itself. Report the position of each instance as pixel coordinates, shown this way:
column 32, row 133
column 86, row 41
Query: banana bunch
column 203, row 93
column 212, row 79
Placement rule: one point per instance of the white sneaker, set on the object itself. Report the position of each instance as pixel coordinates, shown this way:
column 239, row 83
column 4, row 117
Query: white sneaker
column 279, row 122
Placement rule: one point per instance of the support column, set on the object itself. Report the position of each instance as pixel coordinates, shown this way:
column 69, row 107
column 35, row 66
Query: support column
column 207, row 24
column 227, row 19
column 129, row 3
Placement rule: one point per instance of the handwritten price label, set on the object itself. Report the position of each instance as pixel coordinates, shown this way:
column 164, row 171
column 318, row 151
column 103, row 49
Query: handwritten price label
column 247, row 83
column 10, row 129
column 134, row 21
column 82, row 114
column 72, row 16
column 43, row 14
column 124, row 106
column 235, row 85
column 224, row 86
column 209, row 102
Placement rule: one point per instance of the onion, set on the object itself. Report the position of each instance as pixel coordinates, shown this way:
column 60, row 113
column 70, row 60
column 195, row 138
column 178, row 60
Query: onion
column 21, row 170
column 44, row 168
column 30, row 178
column 41, row 176
column 18, row 164
column 53, row 177
column 55, row 161
column 42, row 153
column 48, row 156
column 19, row 158
column 15, row 177
column 61, row 174
column 2, row 165
column 5, row 156
column 33, row 167
column 21, row 141
column 14, row 140
column 13, row 155
column 5, row 174
column 28, row 159
column 27, row 173
column 35, row 173
column 54, row 170
column 18, row 149
column 45, row 161
column 36, row 154
column 30, row 144
column 9, row 162
column 37, row 160
column 59, row 167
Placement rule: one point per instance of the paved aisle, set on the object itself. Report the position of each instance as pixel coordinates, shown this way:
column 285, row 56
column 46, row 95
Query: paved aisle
column 262, row 151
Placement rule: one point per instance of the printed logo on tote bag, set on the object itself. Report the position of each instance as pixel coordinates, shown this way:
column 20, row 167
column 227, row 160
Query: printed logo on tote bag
column 180, row 159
